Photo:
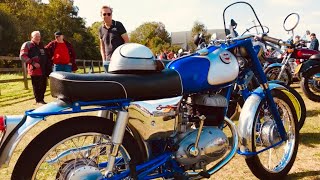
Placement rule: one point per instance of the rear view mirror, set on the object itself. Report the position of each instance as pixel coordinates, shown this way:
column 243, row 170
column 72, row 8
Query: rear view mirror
column 196, row 39
column 291, row 22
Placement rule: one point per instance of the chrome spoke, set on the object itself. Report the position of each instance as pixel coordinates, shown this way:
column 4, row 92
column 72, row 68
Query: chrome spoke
column 275, row 158
column 82, row 150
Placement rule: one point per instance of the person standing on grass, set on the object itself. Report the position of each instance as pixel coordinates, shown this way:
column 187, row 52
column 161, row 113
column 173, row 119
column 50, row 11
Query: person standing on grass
column 62, row 54
column 112, row 34
column 39, row 67
column 314, row 45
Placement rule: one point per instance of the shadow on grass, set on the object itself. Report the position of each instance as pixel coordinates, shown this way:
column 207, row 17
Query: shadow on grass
column 310, row 139
column 313, row 113
column 16, row 102
column 20, row 100
column 305, row 174
column 13, row 97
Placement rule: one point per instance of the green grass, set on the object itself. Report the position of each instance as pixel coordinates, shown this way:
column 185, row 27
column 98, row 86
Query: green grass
column 15, row 100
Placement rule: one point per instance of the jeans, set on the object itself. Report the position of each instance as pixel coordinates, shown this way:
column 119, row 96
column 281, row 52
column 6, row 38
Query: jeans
column 62, row 67
column 106, row 65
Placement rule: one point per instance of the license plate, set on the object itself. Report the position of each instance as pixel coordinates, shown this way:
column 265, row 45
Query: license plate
column 296, row 71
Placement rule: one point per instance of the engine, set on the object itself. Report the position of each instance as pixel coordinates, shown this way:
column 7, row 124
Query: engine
column 213, row 144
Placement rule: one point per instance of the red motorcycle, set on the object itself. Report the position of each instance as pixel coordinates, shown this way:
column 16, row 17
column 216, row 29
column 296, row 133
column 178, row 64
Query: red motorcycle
column 283, row 68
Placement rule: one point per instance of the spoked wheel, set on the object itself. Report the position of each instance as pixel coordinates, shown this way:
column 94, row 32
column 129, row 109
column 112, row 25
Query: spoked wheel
column 272, row 73
column 76, row 148
column 310, row 84
column 276, row 162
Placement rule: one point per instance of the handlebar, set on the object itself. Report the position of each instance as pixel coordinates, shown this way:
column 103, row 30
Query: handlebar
column 274, row 40
column 228, row 40
column 262, row 37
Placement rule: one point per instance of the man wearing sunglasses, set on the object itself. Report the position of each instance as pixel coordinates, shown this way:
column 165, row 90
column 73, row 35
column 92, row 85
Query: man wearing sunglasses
column 112, row 34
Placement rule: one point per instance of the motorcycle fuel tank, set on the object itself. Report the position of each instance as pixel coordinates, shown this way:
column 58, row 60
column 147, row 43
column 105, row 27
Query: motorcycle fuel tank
column 303, row 53
column 200, row 73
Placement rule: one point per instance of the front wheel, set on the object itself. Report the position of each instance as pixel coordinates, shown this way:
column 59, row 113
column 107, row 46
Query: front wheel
column 310, row 84
column 276, row 162
column 72, row 149
column 272, row 73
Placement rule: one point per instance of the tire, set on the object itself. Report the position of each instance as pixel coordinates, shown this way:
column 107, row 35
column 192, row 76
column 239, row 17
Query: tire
column 313, row 93
column 60, row 132
column 303, row 111
column 302, row 106
column 273, row 72
column 256, row 163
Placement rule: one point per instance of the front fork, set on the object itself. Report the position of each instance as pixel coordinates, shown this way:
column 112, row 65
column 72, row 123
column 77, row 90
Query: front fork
column 284, row 66
column 258, row 71
column 116, row 139
column 275, row 113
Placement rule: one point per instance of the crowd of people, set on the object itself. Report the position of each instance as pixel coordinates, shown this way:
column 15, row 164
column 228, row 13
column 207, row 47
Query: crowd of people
column 171, row 55
column 309, row 40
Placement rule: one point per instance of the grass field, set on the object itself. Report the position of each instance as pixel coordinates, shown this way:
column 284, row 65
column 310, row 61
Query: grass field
column 15, row 100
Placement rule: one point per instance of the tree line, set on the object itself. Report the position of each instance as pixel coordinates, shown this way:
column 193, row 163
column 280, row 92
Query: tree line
column 19, row 18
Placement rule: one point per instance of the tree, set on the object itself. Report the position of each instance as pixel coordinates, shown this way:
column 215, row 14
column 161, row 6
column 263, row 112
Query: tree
column 153, row 35
column 198, row 28
column 94, row 31
column 8, row 33
column 22, row 17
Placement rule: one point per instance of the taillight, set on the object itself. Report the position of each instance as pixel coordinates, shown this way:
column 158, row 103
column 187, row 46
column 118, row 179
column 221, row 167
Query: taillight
column 2, row 123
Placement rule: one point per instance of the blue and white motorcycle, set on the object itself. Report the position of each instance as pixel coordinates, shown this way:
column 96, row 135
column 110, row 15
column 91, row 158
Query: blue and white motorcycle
column 185, row 134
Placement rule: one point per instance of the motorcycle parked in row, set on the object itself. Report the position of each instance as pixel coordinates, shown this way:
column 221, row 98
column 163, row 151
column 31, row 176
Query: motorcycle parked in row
column 236, row 100
column 178, row 137
column 295, row 54
column 310, row 73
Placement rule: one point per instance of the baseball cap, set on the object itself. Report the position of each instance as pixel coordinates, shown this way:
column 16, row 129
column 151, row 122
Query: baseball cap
column 58, row 33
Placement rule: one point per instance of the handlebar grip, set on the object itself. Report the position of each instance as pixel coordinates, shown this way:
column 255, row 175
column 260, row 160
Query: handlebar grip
column 275, row 41
column 272, row 40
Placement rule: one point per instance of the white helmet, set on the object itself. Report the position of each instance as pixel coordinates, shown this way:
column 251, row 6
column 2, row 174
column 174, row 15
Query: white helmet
column 132, row 56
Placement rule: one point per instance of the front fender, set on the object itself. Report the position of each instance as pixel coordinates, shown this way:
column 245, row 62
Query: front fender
column 21, row 127
column 249, row 111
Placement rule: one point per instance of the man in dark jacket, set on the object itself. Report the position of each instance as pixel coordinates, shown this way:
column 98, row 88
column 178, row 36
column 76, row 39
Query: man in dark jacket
column 314, row 45
column 112, row 34
column 62, row 54
column 39, row 67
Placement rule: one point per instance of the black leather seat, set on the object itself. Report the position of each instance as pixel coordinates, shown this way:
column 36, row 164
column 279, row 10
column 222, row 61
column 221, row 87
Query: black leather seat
column 72, row 87
column 315, row 57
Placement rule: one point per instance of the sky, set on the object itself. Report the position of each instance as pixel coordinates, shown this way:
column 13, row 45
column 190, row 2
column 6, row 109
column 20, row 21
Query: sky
column 180, row 15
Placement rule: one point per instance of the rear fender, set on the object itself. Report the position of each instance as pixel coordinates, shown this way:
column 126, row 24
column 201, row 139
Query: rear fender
column 18, row 126
column 248, row 113
column 308, row 65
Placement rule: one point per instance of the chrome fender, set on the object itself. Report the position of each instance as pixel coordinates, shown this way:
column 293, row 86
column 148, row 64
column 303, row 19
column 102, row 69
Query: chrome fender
column 248, row 113
column 275, row 65
column 19, row 126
